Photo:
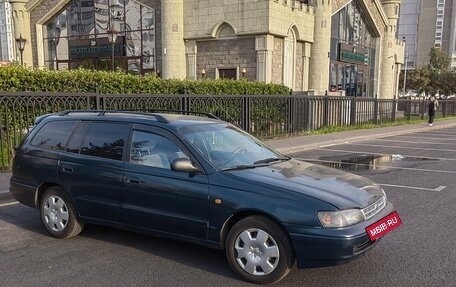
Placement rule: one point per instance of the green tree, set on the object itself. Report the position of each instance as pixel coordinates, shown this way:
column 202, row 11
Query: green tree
column 439, row 60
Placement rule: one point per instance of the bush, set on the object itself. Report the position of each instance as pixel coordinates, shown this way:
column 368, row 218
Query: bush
column 15, row 78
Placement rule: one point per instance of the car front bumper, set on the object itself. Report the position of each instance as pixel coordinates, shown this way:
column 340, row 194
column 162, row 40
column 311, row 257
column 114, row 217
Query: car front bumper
column 317, row 247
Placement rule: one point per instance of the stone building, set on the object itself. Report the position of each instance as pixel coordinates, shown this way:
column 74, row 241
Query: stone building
column 315, row 46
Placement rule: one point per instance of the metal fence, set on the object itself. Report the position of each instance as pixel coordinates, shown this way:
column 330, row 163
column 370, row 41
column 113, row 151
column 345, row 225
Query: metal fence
column 262, row 116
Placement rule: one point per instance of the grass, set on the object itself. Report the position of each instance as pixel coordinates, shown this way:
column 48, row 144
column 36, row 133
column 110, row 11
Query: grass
column 334, row 129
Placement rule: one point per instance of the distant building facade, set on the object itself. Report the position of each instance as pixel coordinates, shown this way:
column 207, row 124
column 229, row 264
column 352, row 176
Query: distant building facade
column 315, row 46
column 6, row 33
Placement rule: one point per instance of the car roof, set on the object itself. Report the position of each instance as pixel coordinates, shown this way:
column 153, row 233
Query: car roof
column 170, row 118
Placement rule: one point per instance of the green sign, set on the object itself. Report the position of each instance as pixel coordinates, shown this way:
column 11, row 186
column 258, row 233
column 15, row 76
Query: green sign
column 104, row 50
column 351, row 54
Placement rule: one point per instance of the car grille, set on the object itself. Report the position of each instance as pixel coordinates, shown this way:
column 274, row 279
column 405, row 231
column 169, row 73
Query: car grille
column 374, row 208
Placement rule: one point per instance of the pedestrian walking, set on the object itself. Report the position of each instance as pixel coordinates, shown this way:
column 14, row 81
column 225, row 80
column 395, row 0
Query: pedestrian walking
column 432, row 105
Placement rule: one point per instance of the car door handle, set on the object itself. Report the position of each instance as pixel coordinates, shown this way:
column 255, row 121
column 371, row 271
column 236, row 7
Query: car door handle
column 67, row 169
column 132, row 180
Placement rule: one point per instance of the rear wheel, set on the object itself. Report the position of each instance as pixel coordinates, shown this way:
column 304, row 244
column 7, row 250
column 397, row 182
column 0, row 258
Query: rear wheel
column 259, row 250
column 58, row 214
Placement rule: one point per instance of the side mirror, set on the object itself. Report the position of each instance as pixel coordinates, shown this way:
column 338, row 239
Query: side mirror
column 183, row 165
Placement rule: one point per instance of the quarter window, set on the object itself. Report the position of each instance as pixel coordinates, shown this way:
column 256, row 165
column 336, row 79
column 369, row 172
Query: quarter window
column 54, row 135
column 105, row 140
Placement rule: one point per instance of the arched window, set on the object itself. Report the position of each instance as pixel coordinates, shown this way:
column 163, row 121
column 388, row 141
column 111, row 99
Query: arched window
column 289, row 59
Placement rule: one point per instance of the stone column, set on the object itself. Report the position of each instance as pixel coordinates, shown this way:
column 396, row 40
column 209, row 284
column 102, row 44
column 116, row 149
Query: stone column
column 21, row 25
column 264, row 46
column 319, row 58
column 173, row 51
column 191, row 51
column 389, row 82
column 306, row 48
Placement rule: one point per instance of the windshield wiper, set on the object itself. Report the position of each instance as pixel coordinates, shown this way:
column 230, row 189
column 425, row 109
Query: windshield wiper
column 243, row 166
column 268, row 160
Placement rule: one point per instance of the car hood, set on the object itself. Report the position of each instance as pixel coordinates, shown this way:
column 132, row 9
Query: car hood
column 339, row 188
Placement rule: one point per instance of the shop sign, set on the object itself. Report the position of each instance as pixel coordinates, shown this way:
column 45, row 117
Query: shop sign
column 352, row 54
column 94, row 49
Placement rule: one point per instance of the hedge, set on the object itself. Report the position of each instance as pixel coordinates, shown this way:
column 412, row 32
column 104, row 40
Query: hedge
column 15, row 78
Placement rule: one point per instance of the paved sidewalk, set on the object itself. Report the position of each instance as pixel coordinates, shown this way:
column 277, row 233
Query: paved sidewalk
column 297, row 144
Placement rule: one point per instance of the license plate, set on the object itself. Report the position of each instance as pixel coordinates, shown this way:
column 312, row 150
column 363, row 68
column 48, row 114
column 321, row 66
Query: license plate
column 383, row 226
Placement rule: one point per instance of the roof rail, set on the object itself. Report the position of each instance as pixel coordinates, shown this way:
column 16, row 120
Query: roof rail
column 101, row 113
column 146, row 112
column 209, row 115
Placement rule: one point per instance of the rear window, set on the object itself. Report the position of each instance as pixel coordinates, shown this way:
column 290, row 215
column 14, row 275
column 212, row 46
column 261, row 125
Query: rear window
column 54, row 135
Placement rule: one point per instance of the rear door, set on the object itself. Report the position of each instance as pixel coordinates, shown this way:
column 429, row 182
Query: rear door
column 158, row 198
column 91, row 169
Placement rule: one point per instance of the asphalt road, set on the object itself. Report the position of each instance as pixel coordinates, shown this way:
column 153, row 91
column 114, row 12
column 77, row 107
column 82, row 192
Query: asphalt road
column 418, row 172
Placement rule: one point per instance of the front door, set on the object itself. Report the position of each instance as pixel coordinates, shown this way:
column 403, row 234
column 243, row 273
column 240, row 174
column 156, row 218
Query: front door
column 158, row 198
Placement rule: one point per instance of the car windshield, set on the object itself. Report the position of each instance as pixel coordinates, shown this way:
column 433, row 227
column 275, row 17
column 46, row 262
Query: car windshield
column 227, row 147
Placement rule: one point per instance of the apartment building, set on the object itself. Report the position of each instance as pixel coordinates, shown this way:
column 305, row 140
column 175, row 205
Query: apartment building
column 426, row 24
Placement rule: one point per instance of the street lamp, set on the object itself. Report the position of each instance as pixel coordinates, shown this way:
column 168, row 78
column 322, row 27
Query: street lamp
column 20, row 42
column 112, row 37
column 405, row 60
column 244, row 71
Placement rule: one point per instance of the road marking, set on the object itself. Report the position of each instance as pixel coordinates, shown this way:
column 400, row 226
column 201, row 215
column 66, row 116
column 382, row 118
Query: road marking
column 407, row 147
column 9, row 203
column 414, row 142
column 424, row 137
column 440, row 188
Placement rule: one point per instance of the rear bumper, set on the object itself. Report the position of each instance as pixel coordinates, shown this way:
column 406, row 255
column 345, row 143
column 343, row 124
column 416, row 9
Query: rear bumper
column 23, row 192
column 318, row 247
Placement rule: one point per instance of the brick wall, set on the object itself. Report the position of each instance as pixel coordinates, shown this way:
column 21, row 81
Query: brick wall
column 277, row 61
column 227, row 53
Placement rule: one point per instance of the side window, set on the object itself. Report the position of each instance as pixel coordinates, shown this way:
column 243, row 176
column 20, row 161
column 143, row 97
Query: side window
column 54, row 135
column 153, row 150
column 105, row 140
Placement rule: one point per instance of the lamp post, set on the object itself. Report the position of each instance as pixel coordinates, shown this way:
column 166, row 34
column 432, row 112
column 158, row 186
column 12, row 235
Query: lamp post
column 112, row 37
column 244, row 71
column 20, row 42
column 405, row 60
column 203, row 73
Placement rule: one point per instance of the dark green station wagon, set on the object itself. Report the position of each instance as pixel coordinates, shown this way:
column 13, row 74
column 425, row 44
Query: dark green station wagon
column 197, row 179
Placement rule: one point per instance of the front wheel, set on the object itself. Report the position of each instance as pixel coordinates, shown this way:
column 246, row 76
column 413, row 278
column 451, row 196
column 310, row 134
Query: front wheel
column 259, row 250
column 58, row 214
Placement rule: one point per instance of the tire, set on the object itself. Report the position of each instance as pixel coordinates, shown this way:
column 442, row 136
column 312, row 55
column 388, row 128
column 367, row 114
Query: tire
column 247, row 244
column 58, row 214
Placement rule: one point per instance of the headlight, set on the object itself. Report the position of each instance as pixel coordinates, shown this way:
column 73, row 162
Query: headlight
column 341, row 218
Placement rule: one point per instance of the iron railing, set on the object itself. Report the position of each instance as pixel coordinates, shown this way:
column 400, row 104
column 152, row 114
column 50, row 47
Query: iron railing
column 262, row 116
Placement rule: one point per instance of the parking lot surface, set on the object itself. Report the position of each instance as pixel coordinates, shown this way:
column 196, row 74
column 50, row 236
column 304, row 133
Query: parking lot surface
column 415, row 165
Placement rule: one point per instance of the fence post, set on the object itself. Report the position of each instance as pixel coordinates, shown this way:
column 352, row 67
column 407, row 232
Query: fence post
column 454, row 106
column 325, row 111
column 408, row 109
column 246, row 125
column 291, row 115
column 375, row 111
column 422, row 108
column 97, row 103
column 308, row 115
column 443, row 108
column 353, row 111
column 393, row 112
